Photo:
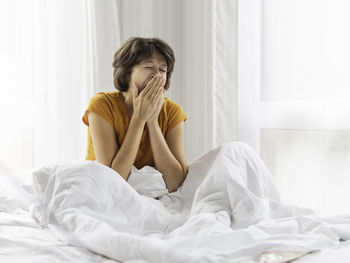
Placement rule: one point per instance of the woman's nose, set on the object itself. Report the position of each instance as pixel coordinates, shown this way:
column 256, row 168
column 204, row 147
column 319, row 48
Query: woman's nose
column 156, row 72
column 153, row 75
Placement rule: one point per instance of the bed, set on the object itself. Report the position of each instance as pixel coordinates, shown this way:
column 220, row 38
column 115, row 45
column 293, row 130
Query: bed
column 227, row 210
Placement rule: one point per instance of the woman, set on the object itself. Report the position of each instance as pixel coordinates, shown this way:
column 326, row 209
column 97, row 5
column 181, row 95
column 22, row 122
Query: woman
column 137, row 125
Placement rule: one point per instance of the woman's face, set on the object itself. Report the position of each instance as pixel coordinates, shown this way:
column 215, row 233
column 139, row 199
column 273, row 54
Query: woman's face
column 142, row 73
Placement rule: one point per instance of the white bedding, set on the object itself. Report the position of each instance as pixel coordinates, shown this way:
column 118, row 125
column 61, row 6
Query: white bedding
column 22, row 241
column 227, row 210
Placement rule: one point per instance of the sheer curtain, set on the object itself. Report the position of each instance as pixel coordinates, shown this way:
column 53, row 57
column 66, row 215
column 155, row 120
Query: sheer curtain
column 54, row 56
column 293, row 90
column 305, row 100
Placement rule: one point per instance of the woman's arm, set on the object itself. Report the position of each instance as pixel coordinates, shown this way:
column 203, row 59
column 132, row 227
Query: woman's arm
column 106, row 147
column 104, row 137
column 125, row 157
column 169, row 154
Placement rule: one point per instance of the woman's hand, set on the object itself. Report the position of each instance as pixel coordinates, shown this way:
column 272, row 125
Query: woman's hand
column 159, row 104
column 147, row 101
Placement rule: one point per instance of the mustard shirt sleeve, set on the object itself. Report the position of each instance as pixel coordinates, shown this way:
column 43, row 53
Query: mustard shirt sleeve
column 101, row 106
column 176, row 115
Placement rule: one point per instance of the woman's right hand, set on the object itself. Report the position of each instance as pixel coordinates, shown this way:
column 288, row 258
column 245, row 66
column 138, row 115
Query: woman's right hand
column 144, row 104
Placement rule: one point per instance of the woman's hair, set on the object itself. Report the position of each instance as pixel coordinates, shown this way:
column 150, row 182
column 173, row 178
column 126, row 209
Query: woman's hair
column 136, row 50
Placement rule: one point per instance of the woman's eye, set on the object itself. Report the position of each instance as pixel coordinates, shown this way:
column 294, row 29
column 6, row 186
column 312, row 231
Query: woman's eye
column 160, row 70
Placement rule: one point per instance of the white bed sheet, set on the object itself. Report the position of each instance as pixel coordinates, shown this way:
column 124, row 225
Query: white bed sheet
column 327, row 255
column 197, row 231
column 22, row 240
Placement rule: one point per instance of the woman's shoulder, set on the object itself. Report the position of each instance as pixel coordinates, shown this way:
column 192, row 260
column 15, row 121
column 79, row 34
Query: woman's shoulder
column 110, row 97
column 173, row 113
column 107, row 94
column 104, row 104
column 171, row 105
column 106, row 101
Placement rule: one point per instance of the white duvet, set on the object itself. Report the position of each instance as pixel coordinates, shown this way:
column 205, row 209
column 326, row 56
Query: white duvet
column 227, row 210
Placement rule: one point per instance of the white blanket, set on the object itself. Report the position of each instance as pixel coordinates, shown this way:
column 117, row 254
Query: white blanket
column 227, row 210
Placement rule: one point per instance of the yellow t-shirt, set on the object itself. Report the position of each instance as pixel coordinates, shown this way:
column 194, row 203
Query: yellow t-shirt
column 111, row 107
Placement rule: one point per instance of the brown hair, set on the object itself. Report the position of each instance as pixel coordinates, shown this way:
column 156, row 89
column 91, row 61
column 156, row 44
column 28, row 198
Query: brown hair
column 134, row 51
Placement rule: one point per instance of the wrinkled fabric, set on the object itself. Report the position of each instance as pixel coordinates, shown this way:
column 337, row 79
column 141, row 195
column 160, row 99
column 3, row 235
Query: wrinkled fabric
column 147, row 181
column 22, row 240
column 227, row 210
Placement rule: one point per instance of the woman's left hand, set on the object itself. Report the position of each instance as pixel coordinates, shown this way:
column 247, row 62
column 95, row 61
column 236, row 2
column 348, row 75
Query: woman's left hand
column 159, row 104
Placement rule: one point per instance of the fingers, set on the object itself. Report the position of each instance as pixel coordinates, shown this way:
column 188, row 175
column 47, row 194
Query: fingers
column 158, row 88
column 160, row 101
column 152, row 86
column 159, row 94
column 149, row 87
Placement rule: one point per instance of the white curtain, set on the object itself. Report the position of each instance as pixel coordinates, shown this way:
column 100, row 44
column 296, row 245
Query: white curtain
column 55, row 55
column 294, row 89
